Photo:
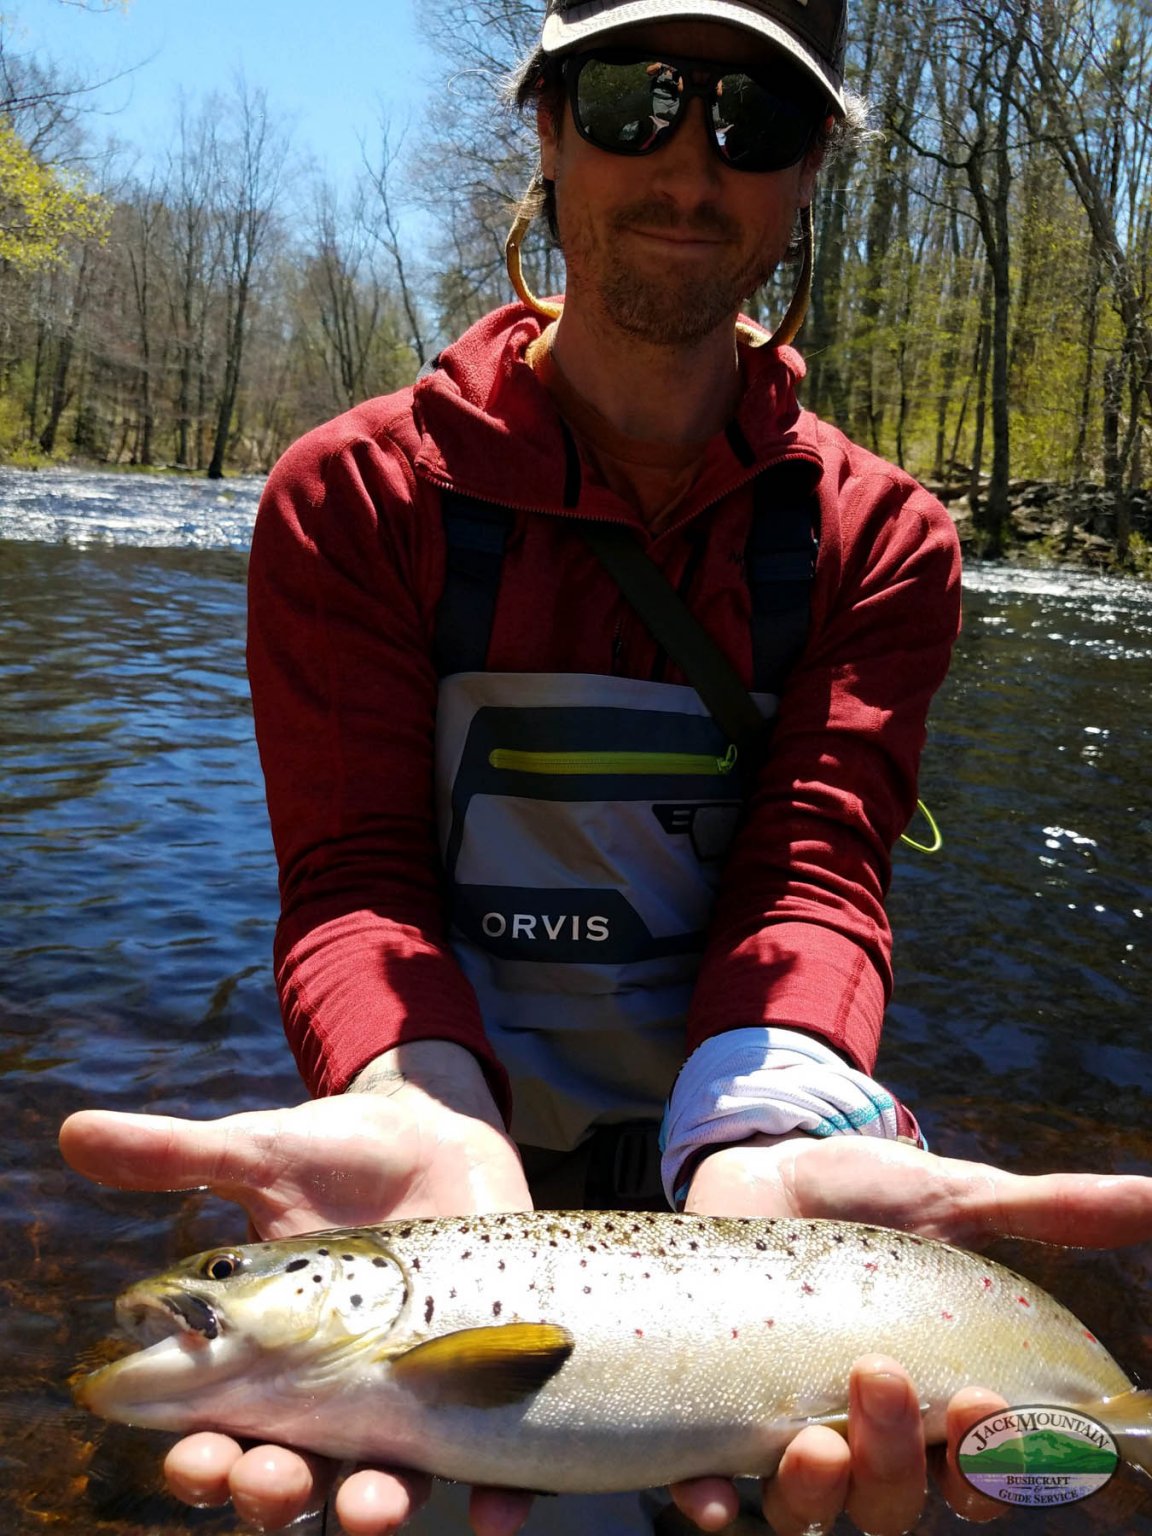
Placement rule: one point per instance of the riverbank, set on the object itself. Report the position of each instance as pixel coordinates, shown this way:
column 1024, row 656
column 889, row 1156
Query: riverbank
column 1052, row 524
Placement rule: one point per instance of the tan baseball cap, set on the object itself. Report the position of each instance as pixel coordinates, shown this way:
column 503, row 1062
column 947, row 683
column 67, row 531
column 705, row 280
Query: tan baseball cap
column 810, row 31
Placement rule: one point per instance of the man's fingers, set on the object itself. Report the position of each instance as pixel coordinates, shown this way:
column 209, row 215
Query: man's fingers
column 886, row 1438
column 272, row 1486
column 158, row 1151
column 498, row 1511
column 811, row 1484
column 709, row 1502
column 371, row 1502
column 197, row 1469
column 965, row 1409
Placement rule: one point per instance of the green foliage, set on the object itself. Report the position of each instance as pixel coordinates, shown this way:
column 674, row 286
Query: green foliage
column 41, row 208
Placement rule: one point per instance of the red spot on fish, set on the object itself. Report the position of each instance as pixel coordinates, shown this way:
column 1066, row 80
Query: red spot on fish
column 807, row 1289
column 871, row 1267
column 639, row 1333
column 987, row 1282
column 769, row 1322
column 947, row 1316
column 1091, row 1336
column 735, row 1333
column 1023, row 1300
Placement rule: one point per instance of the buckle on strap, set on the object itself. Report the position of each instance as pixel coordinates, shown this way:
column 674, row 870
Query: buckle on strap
column 624, row 1168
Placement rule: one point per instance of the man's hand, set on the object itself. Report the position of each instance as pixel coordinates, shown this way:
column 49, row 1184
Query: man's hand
column 878, row 1476
column 420, row 1137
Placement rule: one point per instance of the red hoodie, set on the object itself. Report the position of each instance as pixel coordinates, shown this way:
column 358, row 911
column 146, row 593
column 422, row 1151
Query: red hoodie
column 346, row 571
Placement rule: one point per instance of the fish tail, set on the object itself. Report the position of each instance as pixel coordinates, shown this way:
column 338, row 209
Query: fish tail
column 1129, row 1417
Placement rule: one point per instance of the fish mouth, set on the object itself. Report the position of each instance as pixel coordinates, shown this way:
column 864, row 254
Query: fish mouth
column 170, row 1333
column 150, row 1316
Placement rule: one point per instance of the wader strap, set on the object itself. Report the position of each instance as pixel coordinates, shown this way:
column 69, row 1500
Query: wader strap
column 779, row 563
column 681, row 634
column 475, row 533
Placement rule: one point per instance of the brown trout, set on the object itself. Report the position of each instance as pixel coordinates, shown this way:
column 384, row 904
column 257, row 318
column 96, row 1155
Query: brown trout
column 587, row 1351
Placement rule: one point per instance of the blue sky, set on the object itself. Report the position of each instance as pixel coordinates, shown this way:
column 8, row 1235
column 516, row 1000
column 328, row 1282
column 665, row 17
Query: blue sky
column 325, row 67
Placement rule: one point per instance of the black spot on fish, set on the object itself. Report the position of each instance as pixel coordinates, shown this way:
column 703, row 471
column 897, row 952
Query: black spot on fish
column 349, row 1258
column 485, row 1237
column 761, row 1245
column 452, row 1294
column 357, row 1301
column 464, row 1229
column 497, row 1308
column 837, row 1237
column 416, row 1264
column 499, row 1263
column 405, row 1231
column 694, row 1245
column 585, row 1226
column 507, row 1236
column 380, row 1263
column 467, row 1254
column 290, row 1269
column 587, row 1290
column 323, row 1252
column 317, row 1279
column 429, row 1308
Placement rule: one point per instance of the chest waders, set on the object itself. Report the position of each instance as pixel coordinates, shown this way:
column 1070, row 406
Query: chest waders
column 584, row 821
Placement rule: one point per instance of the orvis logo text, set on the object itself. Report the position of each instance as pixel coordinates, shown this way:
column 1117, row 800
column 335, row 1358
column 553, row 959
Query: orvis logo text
column 540, row 927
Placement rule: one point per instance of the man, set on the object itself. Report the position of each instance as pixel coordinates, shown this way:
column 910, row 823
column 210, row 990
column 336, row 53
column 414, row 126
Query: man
column 501, row 737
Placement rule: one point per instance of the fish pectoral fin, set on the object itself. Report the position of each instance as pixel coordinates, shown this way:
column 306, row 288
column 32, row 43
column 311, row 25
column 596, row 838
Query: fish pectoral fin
column 484, row 1367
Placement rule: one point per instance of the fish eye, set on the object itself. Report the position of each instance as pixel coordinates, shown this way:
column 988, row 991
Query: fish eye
column 220, row 1266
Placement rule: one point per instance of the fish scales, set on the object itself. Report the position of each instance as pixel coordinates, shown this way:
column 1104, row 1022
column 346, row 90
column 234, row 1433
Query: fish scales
column 587, row 1352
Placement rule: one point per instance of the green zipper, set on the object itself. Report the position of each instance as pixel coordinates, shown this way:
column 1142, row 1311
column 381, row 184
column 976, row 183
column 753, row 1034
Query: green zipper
column 611, row 762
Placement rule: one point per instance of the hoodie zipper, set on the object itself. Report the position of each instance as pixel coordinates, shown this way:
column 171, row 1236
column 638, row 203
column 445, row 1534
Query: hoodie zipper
column 620, row 762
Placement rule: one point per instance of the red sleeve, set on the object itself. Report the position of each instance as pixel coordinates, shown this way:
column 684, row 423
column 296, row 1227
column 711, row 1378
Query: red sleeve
column 343, row 579
column 800, row 937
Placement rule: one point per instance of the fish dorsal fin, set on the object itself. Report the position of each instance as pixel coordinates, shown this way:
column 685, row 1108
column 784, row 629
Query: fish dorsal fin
column 485, row 1367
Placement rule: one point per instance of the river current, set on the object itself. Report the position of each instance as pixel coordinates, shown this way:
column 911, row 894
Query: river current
column 138, row 896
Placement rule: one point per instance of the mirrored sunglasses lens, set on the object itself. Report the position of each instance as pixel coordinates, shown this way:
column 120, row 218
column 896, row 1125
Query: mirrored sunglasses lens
column 624, row 107
column 757, row 130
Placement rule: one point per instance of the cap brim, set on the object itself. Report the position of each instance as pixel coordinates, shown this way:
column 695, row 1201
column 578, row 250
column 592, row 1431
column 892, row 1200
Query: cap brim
column 599, row 18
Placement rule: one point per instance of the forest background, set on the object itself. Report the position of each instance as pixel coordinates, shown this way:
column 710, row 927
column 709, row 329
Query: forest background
column 981, row 311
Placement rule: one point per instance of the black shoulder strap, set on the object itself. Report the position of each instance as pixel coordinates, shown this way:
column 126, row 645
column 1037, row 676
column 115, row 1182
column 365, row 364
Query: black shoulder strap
column 779, row 564
column 780, row 558
column 475, row 533
column 681, row 634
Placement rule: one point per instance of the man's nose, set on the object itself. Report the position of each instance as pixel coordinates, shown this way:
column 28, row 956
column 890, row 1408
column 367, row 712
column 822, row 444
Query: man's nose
column 690, row 155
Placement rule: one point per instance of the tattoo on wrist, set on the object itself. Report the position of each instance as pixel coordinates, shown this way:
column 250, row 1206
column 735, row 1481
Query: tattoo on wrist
column 377, row 1077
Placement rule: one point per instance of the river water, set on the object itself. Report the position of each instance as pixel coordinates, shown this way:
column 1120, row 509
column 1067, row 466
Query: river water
column 137, row 903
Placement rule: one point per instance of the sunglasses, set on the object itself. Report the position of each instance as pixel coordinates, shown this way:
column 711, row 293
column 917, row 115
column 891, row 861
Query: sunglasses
column 630, row 103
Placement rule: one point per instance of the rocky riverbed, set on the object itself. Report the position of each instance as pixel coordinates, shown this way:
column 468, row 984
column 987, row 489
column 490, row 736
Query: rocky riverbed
column 1063, row 524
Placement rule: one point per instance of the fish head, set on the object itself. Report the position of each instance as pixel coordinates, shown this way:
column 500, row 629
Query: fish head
column 220, row 1327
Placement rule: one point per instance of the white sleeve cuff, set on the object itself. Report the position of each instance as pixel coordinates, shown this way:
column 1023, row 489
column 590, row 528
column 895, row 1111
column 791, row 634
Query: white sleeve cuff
column 768, row 1080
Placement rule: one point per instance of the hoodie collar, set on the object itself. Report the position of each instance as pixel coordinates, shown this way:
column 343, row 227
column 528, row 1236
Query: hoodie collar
column 489, row 428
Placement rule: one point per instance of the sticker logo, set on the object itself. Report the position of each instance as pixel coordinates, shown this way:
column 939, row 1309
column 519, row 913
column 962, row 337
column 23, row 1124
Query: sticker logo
column 1038, row 1455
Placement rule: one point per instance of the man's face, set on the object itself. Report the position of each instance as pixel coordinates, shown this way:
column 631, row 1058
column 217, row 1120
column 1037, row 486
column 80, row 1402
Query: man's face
column 668, row 246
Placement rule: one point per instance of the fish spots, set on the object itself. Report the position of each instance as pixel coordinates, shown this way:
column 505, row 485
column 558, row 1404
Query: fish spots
column 769, row 1322
column 295, row 1265
column 694, row 1246
column 357, row 1301
column 948, row 1317
column 467, row 1254
column 871, row 1266
column 639, row 1332
column 1091, row 1337
column 485, row 1237
column 735, row 1333
column 497, row 1308
column 1023, row 1300
column 500, row 1264
column 416, row 1265
column 587, row 1290
column 452, row 1294
column 762, row 1246
column 380, row 1263
column 429, row 1308
column 323, row 1252
column 318, row 1279
column 837, row 1237
column 807, row 1289
column 986, row 1281
column 348, row 1258
column 405, row 1231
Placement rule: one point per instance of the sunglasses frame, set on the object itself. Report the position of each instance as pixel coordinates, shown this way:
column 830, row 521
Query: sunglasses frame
column 697, row 77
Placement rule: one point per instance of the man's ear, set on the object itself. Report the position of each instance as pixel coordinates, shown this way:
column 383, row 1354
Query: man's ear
column 548, row 134
column 809, row 170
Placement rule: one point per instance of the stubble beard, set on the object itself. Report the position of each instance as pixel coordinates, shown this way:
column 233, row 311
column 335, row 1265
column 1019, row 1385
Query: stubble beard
column 667, row 308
